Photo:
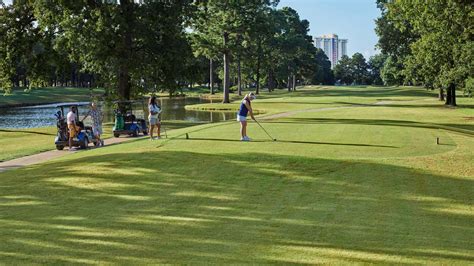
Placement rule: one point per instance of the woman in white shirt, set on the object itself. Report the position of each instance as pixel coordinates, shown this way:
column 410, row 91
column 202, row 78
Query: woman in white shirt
column 154, row 111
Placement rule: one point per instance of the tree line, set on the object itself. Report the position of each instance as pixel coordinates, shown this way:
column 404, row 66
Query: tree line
column 428, row 43
column 130, row 48
column 357, row 71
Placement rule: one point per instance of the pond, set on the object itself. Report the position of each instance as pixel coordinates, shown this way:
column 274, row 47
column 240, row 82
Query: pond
column 173, row 109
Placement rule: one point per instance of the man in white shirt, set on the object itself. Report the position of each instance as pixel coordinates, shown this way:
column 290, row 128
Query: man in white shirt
column 71, row 124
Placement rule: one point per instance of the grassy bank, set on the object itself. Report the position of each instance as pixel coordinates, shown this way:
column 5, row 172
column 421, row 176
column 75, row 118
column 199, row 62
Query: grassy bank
column 21, row 97
column 360, row 182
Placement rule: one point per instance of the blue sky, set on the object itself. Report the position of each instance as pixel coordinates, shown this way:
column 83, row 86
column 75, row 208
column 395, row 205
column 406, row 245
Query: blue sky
column 349, row 19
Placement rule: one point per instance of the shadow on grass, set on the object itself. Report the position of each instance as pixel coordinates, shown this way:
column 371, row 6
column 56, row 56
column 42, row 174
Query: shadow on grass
column 382, row 104
column 459, row 128
column 177, row 207
column 299, row 142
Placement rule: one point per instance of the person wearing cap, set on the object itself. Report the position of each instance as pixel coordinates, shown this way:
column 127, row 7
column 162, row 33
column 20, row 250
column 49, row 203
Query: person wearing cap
column 245, row 109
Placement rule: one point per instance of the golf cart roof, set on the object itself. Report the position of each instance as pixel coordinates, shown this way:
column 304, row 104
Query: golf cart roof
column 72, row 104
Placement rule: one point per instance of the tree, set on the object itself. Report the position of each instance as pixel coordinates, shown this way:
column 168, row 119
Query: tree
column 323, row 74
column 429, row 42
column 391, row 72
column 376, row 64
column 129, row 44
column 224, row 22
column 359, row 69
column 25, row 48
column 343, row 71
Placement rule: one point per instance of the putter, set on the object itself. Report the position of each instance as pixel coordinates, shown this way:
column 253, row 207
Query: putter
column 265, row 131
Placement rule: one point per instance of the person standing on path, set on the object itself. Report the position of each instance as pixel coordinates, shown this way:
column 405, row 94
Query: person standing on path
column 97, row 118
column 71, row 124
column 245, row 109
column 154, row 111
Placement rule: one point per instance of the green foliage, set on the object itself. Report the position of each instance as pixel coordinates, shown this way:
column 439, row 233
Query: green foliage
column 376, row 64
column 129, row 45
column 343, row 71
column 323, row 74
column 430, row 40
column 359, row 69
column 469, row 87
column 391, row 72
column 24, row 47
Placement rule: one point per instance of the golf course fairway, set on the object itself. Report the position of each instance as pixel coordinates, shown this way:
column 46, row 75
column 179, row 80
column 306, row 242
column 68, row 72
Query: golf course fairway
column 355, row 176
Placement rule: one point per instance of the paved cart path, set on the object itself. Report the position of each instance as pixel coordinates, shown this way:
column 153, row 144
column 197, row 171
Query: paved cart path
column 49, row 155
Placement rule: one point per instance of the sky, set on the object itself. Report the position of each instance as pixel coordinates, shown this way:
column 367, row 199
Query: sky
column 349, row 19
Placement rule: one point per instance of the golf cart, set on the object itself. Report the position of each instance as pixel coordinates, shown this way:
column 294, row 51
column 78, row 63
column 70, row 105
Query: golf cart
column 83, row 138
column 126, row 123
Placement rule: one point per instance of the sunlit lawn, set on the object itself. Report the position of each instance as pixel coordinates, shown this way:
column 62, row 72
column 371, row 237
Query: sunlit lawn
column 364, row 183
column 16, row 143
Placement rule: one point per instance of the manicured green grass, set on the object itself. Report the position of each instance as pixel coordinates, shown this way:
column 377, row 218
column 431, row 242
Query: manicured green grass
column 359, row 183
column 48, row 95
column 22, row 142
column 16, row 143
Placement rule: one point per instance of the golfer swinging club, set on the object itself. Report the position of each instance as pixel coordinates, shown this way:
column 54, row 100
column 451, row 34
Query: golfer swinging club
column 245, row 108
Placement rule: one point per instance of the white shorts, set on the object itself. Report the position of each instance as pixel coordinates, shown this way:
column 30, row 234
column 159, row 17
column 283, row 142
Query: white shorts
column 241, row 118
column 154, row 121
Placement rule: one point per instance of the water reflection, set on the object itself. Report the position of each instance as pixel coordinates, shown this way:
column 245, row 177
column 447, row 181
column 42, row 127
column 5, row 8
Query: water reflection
column 173, row 109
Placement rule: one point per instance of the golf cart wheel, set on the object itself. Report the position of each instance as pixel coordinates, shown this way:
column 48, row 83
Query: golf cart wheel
column 59, row 147
column 116, row 135
column 145, row 132
column 135, row 133
column 85, row 143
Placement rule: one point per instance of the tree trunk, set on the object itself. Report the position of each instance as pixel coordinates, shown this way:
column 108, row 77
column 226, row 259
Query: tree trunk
column 441, row 94
column 294, row 82
column 226, row 69
column 211, row 76
column 271, row 85
column 257, row 90
column 288, row 84
column 451, row 95
column 124, row 86
column 259, row 62
column 239, row 75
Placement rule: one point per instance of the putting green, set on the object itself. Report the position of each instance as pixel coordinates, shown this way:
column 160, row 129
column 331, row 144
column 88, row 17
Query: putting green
column 354, row 184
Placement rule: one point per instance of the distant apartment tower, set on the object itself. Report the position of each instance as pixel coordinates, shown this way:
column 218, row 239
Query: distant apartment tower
column 333, row 47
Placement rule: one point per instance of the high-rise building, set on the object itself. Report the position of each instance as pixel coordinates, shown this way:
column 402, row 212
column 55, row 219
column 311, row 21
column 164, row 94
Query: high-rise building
column 333, row 47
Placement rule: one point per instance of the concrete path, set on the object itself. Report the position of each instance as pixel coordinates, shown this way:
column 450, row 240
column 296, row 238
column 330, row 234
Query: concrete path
column 49, row 155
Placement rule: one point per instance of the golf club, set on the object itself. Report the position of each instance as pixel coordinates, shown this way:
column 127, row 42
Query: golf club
column 265, row 130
